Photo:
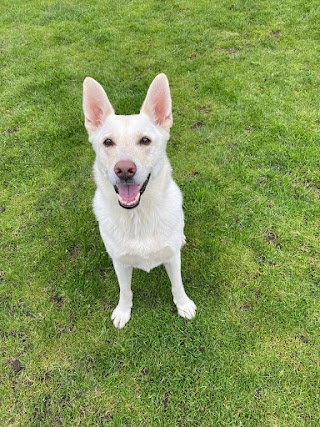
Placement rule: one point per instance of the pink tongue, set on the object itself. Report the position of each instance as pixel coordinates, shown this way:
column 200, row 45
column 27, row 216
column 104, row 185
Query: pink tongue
column 128, row 192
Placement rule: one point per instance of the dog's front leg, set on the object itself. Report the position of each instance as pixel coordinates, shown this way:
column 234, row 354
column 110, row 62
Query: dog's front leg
column 186, row 307
column 122, row 312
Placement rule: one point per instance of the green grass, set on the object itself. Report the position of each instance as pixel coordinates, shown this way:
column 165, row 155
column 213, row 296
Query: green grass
column 245, row 151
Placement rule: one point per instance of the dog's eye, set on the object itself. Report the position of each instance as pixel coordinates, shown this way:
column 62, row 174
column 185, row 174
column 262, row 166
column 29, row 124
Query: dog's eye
column 108, row 142
column 145, row 141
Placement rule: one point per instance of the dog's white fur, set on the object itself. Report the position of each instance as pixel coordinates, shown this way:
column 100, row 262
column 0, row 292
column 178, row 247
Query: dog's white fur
column 151, row 233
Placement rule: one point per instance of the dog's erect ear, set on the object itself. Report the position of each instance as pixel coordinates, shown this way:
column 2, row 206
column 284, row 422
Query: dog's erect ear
column 157, row 104
column 96, row 105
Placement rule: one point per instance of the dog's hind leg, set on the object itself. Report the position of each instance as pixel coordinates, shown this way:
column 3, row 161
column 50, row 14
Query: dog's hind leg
column 122, row 312
column 186, row 307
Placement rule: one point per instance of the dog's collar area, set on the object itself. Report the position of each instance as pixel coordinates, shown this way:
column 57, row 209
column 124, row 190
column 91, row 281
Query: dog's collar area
column 135, row 200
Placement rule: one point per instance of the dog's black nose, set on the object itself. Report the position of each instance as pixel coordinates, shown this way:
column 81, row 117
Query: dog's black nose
column 125, row 169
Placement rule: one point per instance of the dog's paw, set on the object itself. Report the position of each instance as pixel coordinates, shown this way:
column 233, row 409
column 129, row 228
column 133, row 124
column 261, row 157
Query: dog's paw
column 187, row 309
column 120, row 317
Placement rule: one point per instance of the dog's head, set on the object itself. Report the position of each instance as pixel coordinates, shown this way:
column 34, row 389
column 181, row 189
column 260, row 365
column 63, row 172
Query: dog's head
column 129, row 149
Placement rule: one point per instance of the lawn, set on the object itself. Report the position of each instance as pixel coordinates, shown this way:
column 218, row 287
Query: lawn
column 245, row 151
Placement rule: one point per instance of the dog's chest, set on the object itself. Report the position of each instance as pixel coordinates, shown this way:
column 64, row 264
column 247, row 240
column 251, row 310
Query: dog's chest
column 147, row 260
column 142, row 242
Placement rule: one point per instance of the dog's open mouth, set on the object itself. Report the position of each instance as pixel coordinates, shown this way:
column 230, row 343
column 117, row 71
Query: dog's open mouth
column 129, row 194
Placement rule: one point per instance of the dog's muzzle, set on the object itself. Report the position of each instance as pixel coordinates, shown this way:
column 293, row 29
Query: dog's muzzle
column 129, row 194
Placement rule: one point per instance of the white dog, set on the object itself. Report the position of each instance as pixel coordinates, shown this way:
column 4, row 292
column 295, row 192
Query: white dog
column 137, row 203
